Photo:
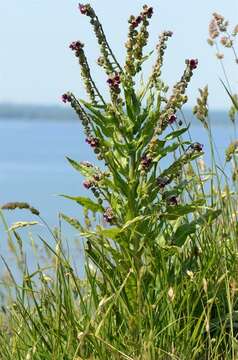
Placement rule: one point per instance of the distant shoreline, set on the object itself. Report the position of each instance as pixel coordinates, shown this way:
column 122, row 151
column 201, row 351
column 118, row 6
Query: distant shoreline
column 11, row 111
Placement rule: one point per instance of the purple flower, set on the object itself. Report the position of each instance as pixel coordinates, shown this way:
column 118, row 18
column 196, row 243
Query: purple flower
column 87, row 184
column 83, row 9
column 172, row 119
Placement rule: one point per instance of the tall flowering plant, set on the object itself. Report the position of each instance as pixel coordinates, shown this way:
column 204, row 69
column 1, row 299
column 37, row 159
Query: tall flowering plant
column 147, row 214
column 131, row 134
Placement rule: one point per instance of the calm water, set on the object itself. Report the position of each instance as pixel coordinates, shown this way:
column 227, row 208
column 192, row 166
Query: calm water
column 33, row 167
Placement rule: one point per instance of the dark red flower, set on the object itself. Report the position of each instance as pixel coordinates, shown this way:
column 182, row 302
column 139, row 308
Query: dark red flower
column 97, row 177
column 76, row 45
column 145, row 162
column 114, row 81
column 93, row 142
column 172, row 200
column 197, row 146
column 172, row 119
column 66, row 98
column 150, row 12
column 193, row 63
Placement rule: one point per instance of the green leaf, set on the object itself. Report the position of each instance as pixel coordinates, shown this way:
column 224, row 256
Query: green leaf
column 110, row 232
column 83, row 169
column 169, row 149
column 85, row 202
column 173, row 212
column 176, row 133
column 133, row 221
column 233, row 99
column 182, row 233
column 209, row 216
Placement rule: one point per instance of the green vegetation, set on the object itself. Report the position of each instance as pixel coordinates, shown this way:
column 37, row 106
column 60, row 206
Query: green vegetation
column 160, row 231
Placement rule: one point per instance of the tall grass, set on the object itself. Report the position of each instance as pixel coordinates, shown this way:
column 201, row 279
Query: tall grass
column 160, row 247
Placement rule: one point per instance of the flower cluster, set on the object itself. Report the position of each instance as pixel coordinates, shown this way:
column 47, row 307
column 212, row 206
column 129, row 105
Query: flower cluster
column 178, row 97
column 135, row 21
column 107, row 59
column 86, row 10
column 76, row 46
column 145, row 163
column 201, row 109
column 92, row 182
column 218, row 26
column 137, row 40
column 114, row 82
column 93, row 142
column 161, row 47
column 83, row 116
column 90, row 87
column 108, row 215
column 192, row 63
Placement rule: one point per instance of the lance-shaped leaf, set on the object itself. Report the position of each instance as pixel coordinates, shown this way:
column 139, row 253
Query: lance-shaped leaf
column 83, row 169
column 85, row 202
column 176, row 133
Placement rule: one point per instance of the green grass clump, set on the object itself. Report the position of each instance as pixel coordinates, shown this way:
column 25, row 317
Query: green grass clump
column 161, row 245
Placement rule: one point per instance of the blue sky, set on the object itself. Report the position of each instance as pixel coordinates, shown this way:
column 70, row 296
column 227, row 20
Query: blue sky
column 37, row 66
